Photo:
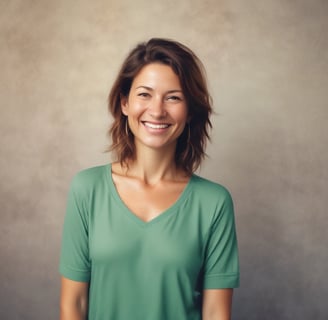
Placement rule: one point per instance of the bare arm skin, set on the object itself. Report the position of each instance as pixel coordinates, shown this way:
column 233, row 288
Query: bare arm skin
column 73, row 300
column 217, row 304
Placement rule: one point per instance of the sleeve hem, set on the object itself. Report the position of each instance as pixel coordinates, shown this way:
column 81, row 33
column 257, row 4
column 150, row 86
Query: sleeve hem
column 220, row 281
column 75, row 275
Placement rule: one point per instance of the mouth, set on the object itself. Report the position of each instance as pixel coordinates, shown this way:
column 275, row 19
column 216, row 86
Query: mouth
column 152, row 125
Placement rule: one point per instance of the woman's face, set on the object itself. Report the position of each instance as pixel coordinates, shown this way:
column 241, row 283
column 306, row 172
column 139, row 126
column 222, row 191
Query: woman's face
column 156, row 107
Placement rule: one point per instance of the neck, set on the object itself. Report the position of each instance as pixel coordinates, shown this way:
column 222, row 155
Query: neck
column 153, row 166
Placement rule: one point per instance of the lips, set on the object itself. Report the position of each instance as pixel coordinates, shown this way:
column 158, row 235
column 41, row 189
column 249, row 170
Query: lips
column 156, row 125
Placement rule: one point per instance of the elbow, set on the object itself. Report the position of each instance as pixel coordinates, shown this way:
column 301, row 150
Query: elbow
column 77, row 310
column 216, row 316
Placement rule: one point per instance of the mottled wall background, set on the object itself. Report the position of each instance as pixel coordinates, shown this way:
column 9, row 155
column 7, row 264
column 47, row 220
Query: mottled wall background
column 267, row 65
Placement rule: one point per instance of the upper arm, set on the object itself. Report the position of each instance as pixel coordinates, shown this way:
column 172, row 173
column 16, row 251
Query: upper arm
column 221, row 263
column 74, row 257
column 217, row 304
column 73, row 299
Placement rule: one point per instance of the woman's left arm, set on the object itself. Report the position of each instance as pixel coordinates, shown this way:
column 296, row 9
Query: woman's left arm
column 217, row 304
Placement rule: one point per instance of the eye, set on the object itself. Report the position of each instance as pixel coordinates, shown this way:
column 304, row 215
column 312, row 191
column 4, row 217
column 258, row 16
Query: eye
column 143, row 94
column 174, row 98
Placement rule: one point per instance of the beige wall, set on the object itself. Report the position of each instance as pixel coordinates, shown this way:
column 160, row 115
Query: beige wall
column 267, row 64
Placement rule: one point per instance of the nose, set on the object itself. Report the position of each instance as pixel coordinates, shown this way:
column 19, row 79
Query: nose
column 157, row 108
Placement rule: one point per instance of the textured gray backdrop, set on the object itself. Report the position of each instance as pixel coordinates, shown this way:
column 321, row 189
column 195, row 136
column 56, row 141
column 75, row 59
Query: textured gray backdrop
column 267, row 66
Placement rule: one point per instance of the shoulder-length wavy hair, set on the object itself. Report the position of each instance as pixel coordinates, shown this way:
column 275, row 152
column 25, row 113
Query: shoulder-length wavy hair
column 191, row 144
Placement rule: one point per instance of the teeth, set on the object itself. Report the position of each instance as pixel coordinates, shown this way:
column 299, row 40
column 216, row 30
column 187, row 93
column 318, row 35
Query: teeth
column 156, row 126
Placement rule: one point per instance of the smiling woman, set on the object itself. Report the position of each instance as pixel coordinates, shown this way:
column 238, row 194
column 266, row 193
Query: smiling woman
column 144, row 237
column 156, row 109
column 190, row 149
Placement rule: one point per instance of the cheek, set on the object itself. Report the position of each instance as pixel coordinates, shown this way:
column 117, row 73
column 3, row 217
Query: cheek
column 136, row 107
column 181, row 114
column 127, row 110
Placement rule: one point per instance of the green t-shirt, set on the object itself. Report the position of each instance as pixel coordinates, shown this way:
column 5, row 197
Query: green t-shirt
column 153, row 270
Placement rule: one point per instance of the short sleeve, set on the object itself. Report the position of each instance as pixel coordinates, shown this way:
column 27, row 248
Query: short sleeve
column 74, row 258
column 221, row 266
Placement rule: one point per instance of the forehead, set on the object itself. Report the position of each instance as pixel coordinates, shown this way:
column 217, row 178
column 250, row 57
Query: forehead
column 156, row 75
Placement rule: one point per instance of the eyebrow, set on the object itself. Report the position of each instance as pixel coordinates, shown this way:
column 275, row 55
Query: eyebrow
column 151, row 89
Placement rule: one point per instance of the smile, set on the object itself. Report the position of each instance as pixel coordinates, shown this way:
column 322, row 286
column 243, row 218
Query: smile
column 156, row 125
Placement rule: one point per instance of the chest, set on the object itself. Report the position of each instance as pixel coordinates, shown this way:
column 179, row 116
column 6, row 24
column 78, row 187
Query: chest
column 122, row 241
column 147, row 202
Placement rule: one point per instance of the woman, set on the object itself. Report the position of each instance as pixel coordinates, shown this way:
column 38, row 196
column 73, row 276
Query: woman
column 144, row 237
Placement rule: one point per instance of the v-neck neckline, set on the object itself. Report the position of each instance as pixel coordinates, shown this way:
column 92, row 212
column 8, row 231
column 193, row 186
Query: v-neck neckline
column 165, row 213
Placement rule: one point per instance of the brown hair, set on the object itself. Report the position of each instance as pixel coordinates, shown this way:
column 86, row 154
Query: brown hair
column 190, row 149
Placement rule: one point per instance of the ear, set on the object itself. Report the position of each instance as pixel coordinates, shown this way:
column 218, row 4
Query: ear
column 124, row 105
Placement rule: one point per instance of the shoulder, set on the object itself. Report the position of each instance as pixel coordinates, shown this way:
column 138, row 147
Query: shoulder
column 89, row 178
column 214, row 201
column 208, row 189
column 91, row 174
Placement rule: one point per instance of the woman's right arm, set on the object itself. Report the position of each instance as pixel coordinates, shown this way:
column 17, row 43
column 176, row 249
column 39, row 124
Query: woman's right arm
column 73, row 300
